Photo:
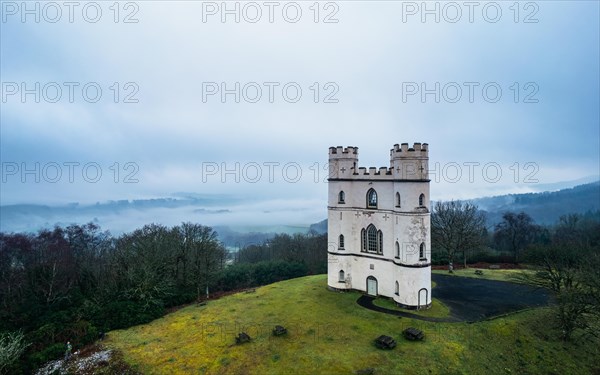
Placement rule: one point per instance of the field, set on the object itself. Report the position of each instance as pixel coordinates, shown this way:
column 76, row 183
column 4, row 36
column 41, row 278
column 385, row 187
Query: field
column 330, row 334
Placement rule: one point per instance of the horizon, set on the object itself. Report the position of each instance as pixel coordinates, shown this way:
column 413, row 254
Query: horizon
column 122, row 216
column 143, row 100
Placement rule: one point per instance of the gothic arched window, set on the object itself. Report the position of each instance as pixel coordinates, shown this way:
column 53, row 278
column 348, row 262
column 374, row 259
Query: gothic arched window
column 397, row 199
column 422, row 251
column 371, row 198
column 341, row 276
column 397, row 250
column 422, row 200
column 363, row 240
column 371, row 240
column 397, row 290
column 341, row 242
column 341, row 197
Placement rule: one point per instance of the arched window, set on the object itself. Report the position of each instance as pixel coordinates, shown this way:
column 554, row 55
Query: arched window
column 422, row 251
column 341, row 242
column 421, row 200
column 363, row 240
column 371, row 198
column 397, row 199
column 341, row 197
column 397, row 290
column 341, row 276
column 371, row 240
column 397, row 250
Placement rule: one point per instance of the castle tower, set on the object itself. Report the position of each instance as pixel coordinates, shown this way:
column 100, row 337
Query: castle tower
column 379, row 238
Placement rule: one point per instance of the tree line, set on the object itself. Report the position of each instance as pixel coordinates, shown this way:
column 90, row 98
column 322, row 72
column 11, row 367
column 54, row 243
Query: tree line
column 74, row 283
column 564, row 258
column 460, row 234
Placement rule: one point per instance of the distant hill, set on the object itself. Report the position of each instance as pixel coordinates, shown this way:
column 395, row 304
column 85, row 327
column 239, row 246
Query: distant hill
column 126, row 215
column 236, row 237
column 119, row 216
column 320, row 227
column 545, row 208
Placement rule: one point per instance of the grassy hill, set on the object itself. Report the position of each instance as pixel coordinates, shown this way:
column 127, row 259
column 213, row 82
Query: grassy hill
column 330, row 334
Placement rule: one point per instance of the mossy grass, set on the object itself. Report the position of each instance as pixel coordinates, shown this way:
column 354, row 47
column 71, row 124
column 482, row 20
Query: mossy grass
column 328, row 333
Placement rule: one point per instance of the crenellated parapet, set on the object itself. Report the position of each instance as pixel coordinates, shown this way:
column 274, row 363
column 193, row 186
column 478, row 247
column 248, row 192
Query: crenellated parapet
column 373, row 172
column 343, row 152
column 406, row 163
column 410, row 163
column 342, row 161
column 403, row 151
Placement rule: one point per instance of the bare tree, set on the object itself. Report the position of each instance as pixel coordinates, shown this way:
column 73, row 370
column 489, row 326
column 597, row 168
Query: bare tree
column 515, row 232
column 144, row 263
column 207, row 256
column 12, row 346
column 570, row 273
column 456, row 227
column 52, row 274
column 569, row 267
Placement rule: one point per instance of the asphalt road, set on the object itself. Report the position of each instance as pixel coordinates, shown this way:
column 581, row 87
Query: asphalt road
column 473, row 300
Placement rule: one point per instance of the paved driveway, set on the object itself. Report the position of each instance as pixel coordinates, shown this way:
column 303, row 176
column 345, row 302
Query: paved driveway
column 472, row 299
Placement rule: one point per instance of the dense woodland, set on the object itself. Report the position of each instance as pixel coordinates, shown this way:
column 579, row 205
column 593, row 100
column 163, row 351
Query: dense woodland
column 74, row 283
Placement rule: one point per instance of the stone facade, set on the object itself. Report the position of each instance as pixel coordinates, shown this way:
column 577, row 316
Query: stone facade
column 378, row 225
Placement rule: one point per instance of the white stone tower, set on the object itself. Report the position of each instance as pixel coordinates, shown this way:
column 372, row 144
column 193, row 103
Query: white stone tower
column 378, row 225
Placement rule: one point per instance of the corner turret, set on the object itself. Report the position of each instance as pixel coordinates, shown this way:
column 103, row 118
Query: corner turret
column 410, row 163
column 342, row 161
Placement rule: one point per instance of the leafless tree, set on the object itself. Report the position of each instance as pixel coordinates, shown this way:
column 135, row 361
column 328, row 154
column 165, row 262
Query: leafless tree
column 515, row 232
column 456, row 227
column 12, row 346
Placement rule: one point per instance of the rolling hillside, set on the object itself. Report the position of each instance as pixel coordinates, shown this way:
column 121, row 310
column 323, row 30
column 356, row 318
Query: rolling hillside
column 544, row 208
column 330, row 334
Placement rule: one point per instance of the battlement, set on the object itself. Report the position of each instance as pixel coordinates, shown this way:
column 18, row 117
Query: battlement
column 343, row 152
column 405, row 164
column 403, row 151
column 383, row 171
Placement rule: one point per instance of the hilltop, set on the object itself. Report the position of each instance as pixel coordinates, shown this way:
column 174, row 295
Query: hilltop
column 329, row 333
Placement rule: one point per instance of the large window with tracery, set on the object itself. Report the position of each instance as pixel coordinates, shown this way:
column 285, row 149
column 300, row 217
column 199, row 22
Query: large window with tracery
column 371, row 240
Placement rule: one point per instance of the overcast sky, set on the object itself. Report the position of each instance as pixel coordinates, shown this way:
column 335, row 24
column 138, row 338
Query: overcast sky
column 366, row 63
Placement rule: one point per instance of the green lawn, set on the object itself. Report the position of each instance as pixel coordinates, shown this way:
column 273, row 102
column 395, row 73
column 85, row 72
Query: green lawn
column 500, row 275
column 330, row 334
column 437, row 310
